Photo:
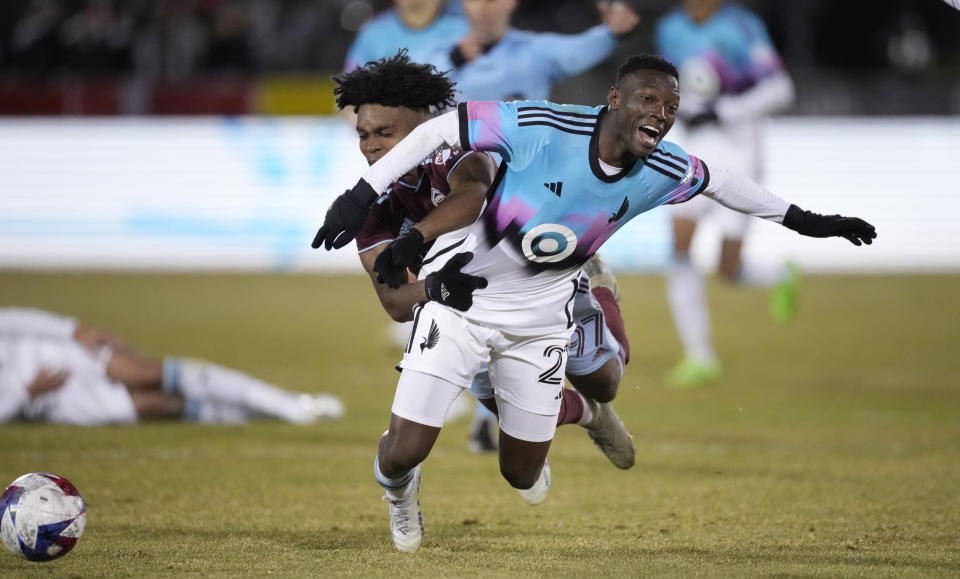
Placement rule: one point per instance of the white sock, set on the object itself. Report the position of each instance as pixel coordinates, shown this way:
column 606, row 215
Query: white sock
column 587, row 415
column 199, row 380
column 762, row 274
column 538, row 492
column 395, row 488
column 688, row 303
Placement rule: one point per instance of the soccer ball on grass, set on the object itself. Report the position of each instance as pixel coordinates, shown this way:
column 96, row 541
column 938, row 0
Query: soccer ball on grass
column 42, row 516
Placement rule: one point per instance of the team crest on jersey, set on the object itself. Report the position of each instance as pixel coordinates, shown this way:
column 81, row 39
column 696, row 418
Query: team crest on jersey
column 436, row 196
column 432, row 337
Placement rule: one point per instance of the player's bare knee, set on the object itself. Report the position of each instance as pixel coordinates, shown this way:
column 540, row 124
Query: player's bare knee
column 600, row 385
column 520, row 476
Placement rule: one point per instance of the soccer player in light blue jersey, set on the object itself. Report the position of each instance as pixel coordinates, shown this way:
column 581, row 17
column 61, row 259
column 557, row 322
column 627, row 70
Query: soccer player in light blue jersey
column 571, row 176
column 732, row 80
column 495, row 61
column 417, row 25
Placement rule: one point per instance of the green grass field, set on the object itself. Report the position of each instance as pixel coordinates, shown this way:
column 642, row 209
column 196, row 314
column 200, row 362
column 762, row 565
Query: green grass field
column 830, row 448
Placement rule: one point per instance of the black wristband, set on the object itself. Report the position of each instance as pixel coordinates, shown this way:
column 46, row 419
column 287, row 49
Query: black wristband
column 431, row 286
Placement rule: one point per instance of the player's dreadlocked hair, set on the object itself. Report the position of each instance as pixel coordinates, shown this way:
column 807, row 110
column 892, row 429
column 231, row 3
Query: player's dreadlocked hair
column 395, row 82
column 646, row 62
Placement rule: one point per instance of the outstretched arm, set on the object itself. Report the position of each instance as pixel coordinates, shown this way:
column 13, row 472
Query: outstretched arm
column 570, row 54
column 739, row 193
column 348, row 212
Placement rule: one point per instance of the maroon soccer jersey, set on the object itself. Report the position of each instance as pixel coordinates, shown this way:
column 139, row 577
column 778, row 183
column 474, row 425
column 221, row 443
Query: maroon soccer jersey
column 404, row 205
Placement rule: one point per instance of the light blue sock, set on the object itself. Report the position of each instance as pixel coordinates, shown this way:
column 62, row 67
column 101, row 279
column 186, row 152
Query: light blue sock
column 171, row 376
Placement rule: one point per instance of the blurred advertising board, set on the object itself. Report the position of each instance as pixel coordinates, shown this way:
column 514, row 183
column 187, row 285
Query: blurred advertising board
column 248, row 193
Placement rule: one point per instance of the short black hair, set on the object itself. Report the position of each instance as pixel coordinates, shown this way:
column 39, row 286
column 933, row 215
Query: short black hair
column 395, row 82
column 646, row 62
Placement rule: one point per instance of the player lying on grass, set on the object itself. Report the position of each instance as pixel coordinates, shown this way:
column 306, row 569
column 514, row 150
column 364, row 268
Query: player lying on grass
column 57, row 370
column 530, row 244
column 460, row 179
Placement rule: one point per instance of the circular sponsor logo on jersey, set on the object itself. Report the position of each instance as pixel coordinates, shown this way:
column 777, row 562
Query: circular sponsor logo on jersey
column 436, row 196
column 548, row 243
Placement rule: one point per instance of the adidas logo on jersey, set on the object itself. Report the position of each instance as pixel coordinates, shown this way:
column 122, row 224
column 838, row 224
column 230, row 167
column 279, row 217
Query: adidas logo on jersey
column 554, row 187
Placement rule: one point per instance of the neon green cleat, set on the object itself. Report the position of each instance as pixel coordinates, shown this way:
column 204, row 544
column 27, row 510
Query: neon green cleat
column 692, row 374
column 783, row 297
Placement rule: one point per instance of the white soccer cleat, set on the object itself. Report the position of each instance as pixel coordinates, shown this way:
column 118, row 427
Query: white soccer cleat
column 406, row 520
column 538, row 492
column 610, row 435
column 323, row 407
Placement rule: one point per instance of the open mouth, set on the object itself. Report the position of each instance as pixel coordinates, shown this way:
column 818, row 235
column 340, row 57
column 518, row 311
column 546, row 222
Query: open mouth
column 649, row 134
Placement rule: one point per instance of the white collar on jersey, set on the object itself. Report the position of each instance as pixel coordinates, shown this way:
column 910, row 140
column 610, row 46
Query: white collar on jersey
column 608, row 168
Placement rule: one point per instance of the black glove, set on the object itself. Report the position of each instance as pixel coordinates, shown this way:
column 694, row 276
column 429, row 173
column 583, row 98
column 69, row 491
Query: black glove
column 392, row 263
column 707, row 117
column 853, row 229
column 345, row 217
column 451, row 287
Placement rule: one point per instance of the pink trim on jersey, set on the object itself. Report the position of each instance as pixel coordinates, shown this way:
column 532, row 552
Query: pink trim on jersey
column 514, row 210
column 484, row 119
column 688, row 186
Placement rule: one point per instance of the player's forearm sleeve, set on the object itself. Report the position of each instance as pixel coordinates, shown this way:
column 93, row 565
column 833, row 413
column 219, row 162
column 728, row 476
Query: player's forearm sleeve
column 734, row 191
column 575, row 53
column 768, row 96
column 414, row 148
column 31, row 322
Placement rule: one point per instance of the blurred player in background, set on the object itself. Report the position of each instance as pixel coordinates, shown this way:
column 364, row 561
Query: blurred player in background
column 530, row 245
column 385, row 115
column 57, row 370
column 732, row 79
column 495, row 61
column 417, row 25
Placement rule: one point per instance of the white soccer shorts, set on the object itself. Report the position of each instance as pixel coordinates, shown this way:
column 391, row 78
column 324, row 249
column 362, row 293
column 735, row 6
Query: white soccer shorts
column 591, row 345
column 526, row 371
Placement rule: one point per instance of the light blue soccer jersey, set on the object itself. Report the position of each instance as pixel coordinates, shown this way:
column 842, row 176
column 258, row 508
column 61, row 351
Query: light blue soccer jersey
column 733, row 42
column 551, row 207
column 385, row 34
column 524, row 65
column 551, row 199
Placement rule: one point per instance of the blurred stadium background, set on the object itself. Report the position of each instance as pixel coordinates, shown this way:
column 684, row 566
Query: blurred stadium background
column 196, row 134
column 146, row 144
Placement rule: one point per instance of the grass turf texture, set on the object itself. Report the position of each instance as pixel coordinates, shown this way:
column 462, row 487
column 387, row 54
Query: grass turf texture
column 830, row 448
